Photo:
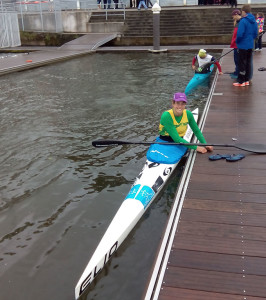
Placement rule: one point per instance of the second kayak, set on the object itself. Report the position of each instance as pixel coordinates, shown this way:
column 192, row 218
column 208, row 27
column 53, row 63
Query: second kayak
column 197, row 79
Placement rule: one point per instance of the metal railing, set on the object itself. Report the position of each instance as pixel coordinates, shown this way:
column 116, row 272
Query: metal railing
column 196, row 2
column 9, row 29
column 51, row 22
column 48, row 13
column 104, row 7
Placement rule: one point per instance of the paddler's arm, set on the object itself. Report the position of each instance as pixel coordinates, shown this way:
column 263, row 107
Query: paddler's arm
column 194, row 62
column 198, row 133
column 216, row 62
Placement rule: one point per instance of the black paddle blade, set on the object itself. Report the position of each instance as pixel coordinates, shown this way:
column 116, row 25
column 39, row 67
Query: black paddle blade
column 100, row 143
column 255, row 148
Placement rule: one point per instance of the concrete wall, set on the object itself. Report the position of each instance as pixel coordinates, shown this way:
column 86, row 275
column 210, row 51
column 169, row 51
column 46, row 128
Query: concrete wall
column 105, row 27
column 75, row 21
column 67, row 21
column 168, row 41
column 37, row 22
column 72, row 22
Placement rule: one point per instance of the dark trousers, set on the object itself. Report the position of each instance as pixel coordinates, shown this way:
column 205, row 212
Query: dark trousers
column 244, row 63
column 105, row 2
column 236, row 72
column 233, row 3
column 148, row 2
column 116, row 3
column 258, row 43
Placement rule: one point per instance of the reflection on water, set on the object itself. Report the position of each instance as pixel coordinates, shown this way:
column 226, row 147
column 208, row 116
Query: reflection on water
column 58, row 193
column 5, row 55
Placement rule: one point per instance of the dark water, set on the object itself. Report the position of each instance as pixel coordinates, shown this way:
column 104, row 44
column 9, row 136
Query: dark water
column 57, row 193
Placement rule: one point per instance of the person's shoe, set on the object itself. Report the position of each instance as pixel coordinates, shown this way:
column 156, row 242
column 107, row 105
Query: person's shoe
column 239, row 84
column 257, row 49
column 246, row 83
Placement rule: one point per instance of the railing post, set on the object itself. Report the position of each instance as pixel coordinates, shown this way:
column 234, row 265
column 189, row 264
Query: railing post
column 41, row 16
column 156, row 9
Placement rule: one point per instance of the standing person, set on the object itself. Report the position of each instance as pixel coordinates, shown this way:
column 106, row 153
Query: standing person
column 233, row 3
column 148, row 2
column 225, row 2
column 107, row 2
column 260, row 22
column 205, row 60
column 142, row 3
column 246, row 34
column 172, row 128
column 116, row 4
column 236, row 15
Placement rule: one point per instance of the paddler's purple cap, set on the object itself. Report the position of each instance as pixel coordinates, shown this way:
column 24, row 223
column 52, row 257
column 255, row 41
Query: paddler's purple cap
column 180, row 97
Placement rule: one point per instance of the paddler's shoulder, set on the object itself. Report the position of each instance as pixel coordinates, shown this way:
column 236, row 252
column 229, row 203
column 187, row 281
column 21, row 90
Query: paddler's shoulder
column 189, row 114
column 166, row 113
column 166, row 116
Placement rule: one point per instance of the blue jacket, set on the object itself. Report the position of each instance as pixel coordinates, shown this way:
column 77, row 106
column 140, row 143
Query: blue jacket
column 247, row 32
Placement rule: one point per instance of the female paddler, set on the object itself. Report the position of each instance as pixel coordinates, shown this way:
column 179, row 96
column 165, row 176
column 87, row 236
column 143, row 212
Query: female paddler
column 172, row 128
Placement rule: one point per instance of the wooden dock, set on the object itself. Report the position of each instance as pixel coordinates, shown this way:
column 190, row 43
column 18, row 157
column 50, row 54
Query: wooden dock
column 218, row 249
column 40, row 56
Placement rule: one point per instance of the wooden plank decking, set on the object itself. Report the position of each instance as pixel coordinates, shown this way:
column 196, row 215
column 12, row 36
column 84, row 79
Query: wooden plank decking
column 219, row 249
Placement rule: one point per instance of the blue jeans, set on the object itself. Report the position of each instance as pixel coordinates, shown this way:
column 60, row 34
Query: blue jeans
column 142, row 3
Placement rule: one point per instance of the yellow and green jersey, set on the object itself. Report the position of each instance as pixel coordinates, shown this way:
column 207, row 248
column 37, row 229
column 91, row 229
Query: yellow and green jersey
column 176, row 126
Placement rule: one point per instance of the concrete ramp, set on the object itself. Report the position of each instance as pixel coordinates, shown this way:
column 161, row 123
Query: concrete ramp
column 89, row 41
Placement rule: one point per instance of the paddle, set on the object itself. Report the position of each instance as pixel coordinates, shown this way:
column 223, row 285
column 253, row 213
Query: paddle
column 206, row 66
column 255, row 148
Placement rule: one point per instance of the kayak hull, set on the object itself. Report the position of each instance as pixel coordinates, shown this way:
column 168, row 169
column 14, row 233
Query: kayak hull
column 142, row 193
column 197, row 80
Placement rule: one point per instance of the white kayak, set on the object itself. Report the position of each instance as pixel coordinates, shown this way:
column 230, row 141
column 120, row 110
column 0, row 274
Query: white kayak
column 142, row 193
